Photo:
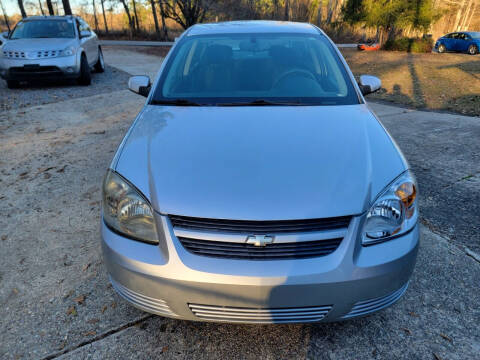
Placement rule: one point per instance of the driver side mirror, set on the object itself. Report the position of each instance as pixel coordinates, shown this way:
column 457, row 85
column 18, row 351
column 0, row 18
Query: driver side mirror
column 369, row 84
column 140, row 84
column 4, row 37
column 84, row 34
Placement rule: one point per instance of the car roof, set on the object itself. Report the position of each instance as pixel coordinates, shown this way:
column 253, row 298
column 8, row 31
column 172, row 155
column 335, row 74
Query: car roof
column 252, row 26
column 50, row 17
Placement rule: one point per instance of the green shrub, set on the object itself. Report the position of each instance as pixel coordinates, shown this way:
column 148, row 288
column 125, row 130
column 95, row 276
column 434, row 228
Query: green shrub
column 409, row 45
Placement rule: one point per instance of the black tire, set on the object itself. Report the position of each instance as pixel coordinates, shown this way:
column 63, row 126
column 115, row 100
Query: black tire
column 100, row 65
column 473, row 49
column 13, row 84
column 442, row 49
column 85, row 76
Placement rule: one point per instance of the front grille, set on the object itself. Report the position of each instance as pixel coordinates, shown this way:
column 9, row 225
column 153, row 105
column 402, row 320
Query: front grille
column 260, row 227
column 38, row 54
column 244, row 251
column 260, row 315
column 369, row 306
column 14, row 54
column 146, row 303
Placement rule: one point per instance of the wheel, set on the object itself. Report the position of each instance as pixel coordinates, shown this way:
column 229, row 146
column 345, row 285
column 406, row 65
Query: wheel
column 85, row 76
column 473, row 49
column 100, row 65
column 442, row 49
column 13, row 84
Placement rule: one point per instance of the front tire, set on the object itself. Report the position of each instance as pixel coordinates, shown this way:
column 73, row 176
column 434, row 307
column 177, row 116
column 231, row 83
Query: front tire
column 13, row 84
column 442, row 49
column 473, row 49
column 85, row 76
column 100, row 65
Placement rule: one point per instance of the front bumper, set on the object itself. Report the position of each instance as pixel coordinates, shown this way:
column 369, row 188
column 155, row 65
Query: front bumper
column 37, row 69
column 168, row 280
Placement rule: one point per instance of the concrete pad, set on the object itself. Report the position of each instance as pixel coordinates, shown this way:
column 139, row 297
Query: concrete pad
column 132, row 63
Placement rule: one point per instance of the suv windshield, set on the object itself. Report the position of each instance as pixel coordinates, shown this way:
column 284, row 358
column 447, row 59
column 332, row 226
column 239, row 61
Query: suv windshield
column 255, row 69
column 43, row 29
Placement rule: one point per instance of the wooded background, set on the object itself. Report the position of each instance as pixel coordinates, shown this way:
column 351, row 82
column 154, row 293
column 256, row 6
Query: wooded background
column 343, row 20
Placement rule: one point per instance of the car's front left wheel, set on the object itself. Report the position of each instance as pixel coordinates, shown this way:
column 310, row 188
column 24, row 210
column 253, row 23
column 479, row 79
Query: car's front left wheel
column 100, row 65
column 13, row 84
column 473, row 49
column 442, row 48
column 85, row 76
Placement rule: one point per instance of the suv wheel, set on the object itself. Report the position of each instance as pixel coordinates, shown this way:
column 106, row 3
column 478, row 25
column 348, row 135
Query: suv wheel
column 473, row 49
column 100, row 65
column 13, row 84
column 85, row 76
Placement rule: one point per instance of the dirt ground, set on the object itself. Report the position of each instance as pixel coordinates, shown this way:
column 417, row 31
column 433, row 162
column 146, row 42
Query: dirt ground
column 55, row 298
column 431, row 81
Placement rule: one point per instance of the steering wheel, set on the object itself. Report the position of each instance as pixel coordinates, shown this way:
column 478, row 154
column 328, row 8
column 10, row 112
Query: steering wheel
column 289, row 73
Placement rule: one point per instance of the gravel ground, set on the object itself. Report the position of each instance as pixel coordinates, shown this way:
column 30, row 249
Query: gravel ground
column 39, row 93
column 56, row 302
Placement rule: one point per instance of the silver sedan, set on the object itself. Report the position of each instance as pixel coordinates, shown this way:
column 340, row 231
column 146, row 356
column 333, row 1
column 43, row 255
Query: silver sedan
column 257, row 186
column 50, row 47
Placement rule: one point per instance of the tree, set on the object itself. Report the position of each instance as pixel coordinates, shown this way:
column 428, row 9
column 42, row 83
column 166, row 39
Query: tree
column 95, row 20
column 186, row 12
column 50, row 7
column 137, row 25
column 5, row 17
column 66, row 7
column 390, row 17
column 22, row 8
column 163, row 16
column 104, row 17
column 131, row 22
column 41, row 7
column 155, row 18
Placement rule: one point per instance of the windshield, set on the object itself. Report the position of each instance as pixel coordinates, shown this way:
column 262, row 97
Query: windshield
column 43, row 29
column 475, row 35
column 255, row 69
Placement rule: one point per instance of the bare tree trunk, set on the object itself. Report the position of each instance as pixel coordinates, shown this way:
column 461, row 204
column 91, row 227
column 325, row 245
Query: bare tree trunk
column 461, row 5
column 286, row 17
column 469, row 21
column 50, row 7
column 66, row 7
column 469, row 8
column 131, row 22
column 22, row 8
column 41, row 7
column 164, row 25
column 319, row 13
column 5, row 17
column 104, row 17
column 275, row 9
column 136, row 16
column 155, row 18
column 95, row 15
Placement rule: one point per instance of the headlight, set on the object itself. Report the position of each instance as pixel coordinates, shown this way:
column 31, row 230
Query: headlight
column 126, row 211
column 394, row 212
column 69, row 51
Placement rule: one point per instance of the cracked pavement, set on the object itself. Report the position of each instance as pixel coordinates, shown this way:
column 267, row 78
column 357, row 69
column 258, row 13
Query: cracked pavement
column 56, row 301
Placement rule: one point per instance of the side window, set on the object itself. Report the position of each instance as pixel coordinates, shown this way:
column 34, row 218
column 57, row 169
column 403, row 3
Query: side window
column 461, row 37
column 454, row 36
column 83, row 25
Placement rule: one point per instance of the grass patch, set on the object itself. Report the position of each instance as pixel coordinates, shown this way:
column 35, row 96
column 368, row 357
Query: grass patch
column 431, row 81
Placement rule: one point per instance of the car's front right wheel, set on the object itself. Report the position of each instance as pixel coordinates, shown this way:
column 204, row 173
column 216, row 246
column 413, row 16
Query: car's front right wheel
column 100, row 65
column 85, row 76
column 442, row 48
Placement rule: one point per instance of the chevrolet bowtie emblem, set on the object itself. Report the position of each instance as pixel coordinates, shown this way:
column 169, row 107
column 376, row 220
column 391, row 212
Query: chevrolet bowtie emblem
column 259, row 240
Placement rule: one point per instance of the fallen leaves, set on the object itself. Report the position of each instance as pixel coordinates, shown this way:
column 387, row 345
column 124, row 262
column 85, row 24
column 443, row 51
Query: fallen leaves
column 85, row 267
column 4, row 237
column 164, row 349
column 104, row 308
column 93, row 321
column 90, row 333
column 72, row 311
column 408, row 331
column 446, row 337
column 79, row 299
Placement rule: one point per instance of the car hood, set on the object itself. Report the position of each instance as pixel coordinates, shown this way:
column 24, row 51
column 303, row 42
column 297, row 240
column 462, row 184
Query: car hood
column 38, row 44
column 259, row 163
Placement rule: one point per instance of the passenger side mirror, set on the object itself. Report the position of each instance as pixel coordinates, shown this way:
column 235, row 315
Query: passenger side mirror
column 140, row 84
column 84, row 34
column 369, row 84
column 3, row 37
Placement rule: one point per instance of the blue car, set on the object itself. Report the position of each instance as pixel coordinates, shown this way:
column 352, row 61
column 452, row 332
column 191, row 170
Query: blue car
column 466, row 42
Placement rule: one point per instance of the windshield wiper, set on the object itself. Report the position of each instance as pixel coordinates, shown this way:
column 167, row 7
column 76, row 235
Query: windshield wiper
column 178, row 102
column 261, row 102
